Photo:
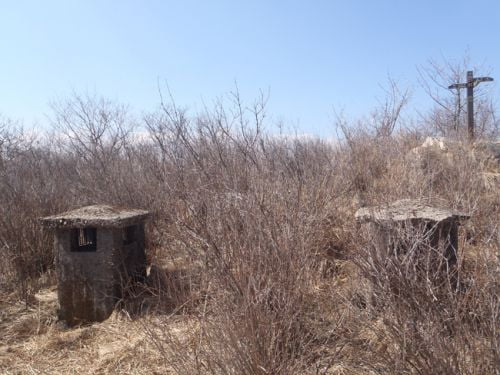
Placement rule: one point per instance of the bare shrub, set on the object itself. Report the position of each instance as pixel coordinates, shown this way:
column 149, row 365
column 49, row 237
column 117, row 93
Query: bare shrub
column 27, row 189
column 250, row 207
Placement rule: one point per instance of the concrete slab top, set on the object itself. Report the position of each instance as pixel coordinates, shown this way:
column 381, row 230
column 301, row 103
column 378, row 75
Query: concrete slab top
column 407, row 209
column 95, row 216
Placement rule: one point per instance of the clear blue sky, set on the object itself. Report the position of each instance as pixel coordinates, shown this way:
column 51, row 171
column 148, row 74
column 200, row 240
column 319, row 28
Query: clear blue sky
column 311, row 55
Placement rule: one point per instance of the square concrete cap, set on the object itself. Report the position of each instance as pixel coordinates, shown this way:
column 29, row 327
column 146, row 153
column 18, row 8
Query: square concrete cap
column 102, row 216
column 407, row 209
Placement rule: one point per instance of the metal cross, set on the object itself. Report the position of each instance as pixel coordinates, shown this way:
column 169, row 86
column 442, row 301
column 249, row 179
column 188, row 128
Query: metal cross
column 469, row 85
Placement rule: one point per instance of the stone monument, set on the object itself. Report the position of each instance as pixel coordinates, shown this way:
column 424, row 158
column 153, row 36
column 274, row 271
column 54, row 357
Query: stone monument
column 433, row 227
column 98, row 250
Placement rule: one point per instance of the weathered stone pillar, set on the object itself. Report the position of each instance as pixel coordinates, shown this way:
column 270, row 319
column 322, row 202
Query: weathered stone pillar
column 97, row 250
column 412, row 229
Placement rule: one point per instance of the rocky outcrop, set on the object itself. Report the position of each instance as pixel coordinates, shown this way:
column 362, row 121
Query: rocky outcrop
column 437, row 155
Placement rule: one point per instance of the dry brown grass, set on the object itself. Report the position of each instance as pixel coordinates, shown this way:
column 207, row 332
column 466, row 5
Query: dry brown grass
column 34, row 343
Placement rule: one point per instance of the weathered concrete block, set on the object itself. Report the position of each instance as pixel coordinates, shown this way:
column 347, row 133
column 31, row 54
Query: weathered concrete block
column 393, row 226
column 98, row 249
column 412, row 245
